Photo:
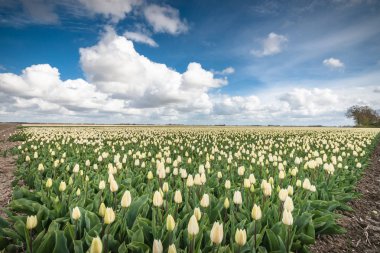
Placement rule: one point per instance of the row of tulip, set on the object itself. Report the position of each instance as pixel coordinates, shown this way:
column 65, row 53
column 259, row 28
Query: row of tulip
column 156, row 189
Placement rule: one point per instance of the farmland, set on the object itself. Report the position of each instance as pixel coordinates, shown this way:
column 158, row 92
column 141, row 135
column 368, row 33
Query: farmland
column 181, row 189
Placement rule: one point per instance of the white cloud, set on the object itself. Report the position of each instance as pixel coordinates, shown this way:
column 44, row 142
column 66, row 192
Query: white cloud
column 141, row 38
column 124, row 86
column 226, row 71
column 273, row 44
column 115, row 9
column 114, row 66
column 230, row 105
column 333, row 63
column 165, row 19
column 310, row 101
column 42, row 83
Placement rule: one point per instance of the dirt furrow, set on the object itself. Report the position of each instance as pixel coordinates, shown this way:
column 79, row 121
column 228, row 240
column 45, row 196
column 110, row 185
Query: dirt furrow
column 363, row 223
column 7, row 164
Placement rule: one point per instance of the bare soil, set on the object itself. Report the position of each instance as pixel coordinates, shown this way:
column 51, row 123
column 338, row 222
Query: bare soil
column 363, row 223
column 7, row 164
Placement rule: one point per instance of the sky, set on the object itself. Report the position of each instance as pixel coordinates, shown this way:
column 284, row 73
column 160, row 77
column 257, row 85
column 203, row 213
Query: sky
column 188, row 61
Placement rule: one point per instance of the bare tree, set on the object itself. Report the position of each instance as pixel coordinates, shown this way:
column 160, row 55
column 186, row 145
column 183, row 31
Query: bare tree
column 363, row 115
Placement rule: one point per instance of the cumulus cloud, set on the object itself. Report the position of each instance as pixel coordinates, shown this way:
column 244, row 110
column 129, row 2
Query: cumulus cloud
column 310, row 101
column 273, row 44
column 232, row 105
column 121, row 85
column 116, row 68
column 140, row 38
column 165, row 19
column 333, row 63
column 41, row 85
column 115, row 9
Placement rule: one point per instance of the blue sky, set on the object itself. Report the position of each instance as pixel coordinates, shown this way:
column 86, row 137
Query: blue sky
column 203, row 62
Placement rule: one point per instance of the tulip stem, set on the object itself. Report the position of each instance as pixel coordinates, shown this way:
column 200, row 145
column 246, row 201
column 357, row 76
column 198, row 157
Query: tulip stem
column 114, row 200
column 76, row 229
column 106, row 241
column 288, row 240
column 192, row 242
column 255, row 235
column 30, row 241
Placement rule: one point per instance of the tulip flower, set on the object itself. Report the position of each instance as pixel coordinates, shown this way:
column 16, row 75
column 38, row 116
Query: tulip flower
column 216, row 234
column 241, row 237
column 157, row 246
column 157, row 199
column 96, row 245
column 126, row 199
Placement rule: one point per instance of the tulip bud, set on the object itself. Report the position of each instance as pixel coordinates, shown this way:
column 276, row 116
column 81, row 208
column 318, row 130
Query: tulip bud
column 113, row 186
column 287, row 218
column 237, row 198
column 288, row 204
column 178, row 197
column 197, row 179
column 109, row 216
column 157, row 199
column 227, row 184
column 283, row 194
column 157, row 246
column 172, row 249
column 247, row 183
column 226, row 203
column 170, row 223
column 150, row 175
column 252, row 179
column 41, row 167
column 31, row 222
column 306, row 184
column 62, row 186
column 193, row 227
column 96, row 245
column 102, row 209
column 76, row 168
column 126, row 199
column 78, row 192
column 165, row 187
column 75, row 213
column 267, row 189
column 216, row 234
column 190, row 181
column 290, row 190
column 241, row 170
column 197, row 213
column 205, row 201
column 49, row 183
column 256, row 212
column 102, row 185
column 241, row 237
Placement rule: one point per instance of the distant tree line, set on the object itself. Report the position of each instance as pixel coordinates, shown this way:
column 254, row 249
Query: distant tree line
column 364, row 116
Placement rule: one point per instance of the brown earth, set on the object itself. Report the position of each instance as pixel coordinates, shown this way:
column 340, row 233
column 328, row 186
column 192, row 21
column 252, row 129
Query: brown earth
column 363, row 223
column 7, row 164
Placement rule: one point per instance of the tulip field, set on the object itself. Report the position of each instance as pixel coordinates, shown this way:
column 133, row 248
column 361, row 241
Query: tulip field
column 181, row 189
